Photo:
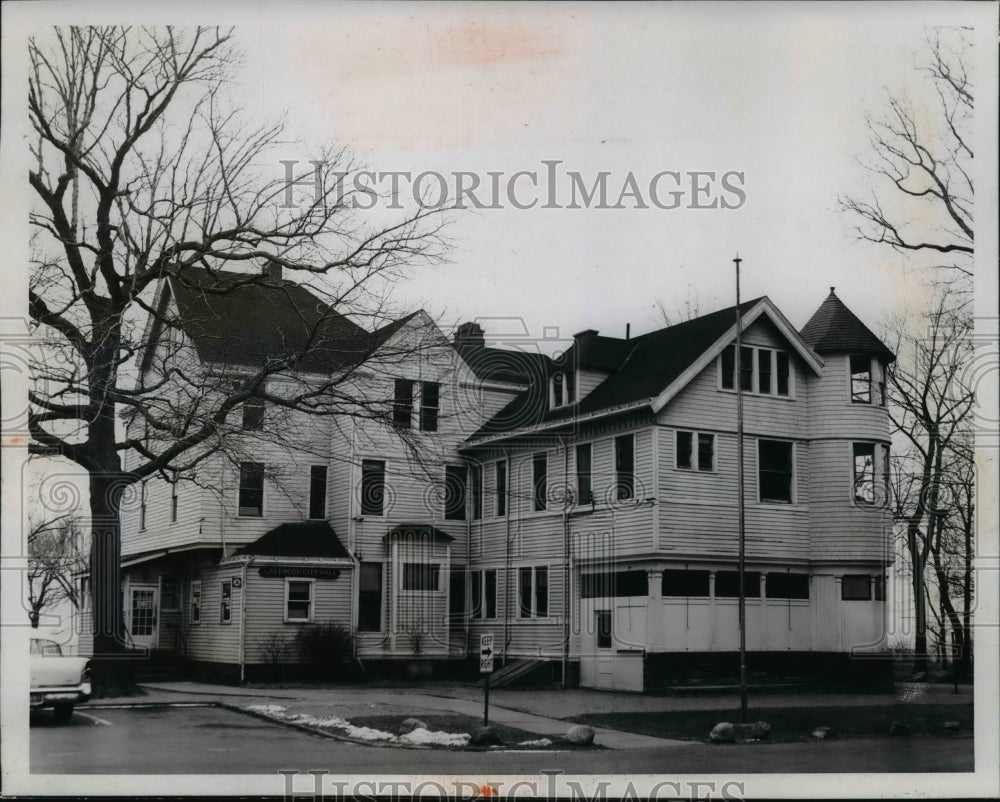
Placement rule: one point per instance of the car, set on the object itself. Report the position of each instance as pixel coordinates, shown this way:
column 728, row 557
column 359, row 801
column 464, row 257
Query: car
column 57, row 681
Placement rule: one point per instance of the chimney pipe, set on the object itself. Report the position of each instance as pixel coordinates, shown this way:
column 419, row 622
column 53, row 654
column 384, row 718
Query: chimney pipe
column 628, row 331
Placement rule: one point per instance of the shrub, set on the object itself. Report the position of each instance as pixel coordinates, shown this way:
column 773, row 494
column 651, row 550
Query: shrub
column 327, row 650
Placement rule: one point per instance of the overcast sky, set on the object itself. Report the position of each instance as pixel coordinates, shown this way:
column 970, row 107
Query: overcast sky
column 775, row 92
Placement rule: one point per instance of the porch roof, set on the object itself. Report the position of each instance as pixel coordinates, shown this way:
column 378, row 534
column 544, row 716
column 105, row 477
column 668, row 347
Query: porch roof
column 298, row 539
column 419, row 530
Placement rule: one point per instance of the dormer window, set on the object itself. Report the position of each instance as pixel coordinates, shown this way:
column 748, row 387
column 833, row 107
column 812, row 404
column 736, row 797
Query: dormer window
column 562, row 390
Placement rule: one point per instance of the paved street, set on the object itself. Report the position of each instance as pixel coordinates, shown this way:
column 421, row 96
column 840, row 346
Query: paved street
column 213, row 740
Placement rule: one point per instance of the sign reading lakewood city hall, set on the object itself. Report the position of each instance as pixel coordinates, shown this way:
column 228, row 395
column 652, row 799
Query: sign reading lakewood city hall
column 312, row 571
column 486, row 654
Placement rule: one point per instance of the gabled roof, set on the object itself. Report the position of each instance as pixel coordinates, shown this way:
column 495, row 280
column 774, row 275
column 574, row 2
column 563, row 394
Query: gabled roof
column 640, row 369
column 298, row 539
column 501, row 365
column 642, row 372
column 835, row 329
column 236, row 319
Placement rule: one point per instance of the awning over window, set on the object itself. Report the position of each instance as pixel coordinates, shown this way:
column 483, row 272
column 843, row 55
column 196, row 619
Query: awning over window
column 419, row 532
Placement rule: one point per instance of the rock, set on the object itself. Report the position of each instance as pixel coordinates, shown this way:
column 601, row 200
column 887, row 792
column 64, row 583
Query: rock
column 757, row 731
column 411, row 724
column 580, row 734
column 823, row 733
column 898, row 728
column 723, row 733
column 485, row 736
column 952, row 726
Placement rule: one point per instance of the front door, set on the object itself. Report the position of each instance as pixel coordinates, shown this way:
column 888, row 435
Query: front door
column 143, row 614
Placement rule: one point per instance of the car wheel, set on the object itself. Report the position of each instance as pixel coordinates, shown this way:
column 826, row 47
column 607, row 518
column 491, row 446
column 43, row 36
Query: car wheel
column 62, row 713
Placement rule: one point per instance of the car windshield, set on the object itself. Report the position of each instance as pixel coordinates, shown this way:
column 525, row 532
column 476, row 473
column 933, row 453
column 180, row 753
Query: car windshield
column 46, row 648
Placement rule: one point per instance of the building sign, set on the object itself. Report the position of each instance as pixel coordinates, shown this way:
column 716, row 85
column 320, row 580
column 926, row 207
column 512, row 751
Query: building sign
column 315, row 572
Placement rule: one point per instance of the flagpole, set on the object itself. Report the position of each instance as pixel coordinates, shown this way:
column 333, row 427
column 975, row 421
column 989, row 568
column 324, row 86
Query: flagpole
column 739, row 485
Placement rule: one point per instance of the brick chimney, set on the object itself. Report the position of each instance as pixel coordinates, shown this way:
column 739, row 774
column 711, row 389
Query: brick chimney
column 469, row 337
column 273, row 271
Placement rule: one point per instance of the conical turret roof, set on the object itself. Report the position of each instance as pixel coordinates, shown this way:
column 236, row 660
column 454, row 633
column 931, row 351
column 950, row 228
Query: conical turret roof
column 835, row 329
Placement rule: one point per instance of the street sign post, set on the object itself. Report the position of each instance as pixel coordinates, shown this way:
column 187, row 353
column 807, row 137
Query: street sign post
column 486, row 667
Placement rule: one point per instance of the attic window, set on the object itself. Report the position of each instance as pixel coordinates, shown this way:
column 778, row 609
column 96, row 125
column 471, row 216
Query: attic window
column 763, row 371
column 562, row 390
column 253, row 414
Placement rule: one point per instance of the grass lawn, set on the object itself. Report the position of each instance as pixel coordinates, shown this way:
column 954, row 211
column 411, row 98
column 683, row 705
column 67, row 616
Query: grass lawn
column 454, row 722
column 792, row 723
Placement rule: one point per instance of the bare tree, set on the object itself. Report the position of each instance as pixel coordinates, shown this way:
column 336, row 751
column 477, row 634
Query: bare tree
column 143, row 171
column 931, row 407
column 686, row 309
column 56, row 553
column 920, row 203
column 920, row 163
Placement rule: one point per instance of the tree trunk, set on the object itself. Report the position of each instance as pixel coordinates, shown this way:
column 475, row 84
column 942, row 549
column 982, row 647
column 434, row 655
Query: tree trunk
column 112, row 671
column 919, row 607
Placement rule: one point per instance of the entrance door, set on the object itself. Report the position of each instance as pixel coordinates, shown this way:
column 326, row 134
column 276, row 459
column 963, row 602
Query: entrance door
column 143, row 609
column 604, row 641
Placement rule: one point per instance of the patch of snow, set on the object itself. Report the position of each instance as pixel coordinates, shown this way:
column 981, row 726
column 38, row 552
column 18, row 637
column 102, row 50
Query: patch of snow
column 418, row 736
column 536, row 742
column 435, row 738
column 267, row 710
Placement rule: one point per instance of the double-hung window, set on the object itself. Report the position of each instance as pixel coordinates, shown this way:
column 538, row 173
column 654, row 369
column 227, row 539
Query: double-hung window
column 476, row 472
column 253, row 414
column 864, row 472
column 317, row 491
column 484, row 594
column 695, row 451
column 540, row 481
column 501, row 488
column 584, row 476
column 402, row 403
column 625, row 466
column 196, row 601
column 372, row 487
column 430, row 401
column 533, row 591
column 370, row 597
column 861, row 379
column 251, row 491
column 298, row 600
column 763, row 371
column 226, row 602
column 775, row 472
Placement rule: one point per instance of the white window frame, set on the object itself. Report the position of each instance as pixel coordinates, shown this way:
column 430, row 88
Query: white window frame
column 795, row 473
column 533, row 615
column 875, row 471
column 482, row 595
column 755, row 373
column 222, row 620
column 695, row 460
column 195, row 590
column 873, row 385
column 312, row 600
column 263, row 489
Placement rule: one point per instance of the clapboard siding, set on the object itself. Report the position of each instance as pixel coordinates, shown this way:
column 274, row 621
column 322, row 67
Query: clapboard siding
column 841, row 528
column 701, row 404
column 266, row 609
column 588, row 380
column 212, row 641
column 831, row 412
